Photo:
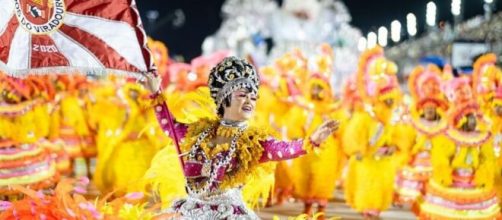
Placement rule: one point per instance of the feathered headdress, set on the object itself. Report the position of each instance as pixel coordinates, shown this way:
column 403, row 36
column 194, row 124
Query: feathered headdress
column 425, row 87
column 486, row 76
column 14, row 89
column 321, row 69
column 350, row 95
column 376, row 79
column 459, row 93
column 458, row 90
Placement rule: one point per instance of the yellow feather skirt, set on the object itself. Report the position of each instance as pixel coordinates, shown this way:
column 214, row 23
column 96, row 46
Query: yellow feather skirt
column 124, row 170
column 369, row 185
column 315, row 174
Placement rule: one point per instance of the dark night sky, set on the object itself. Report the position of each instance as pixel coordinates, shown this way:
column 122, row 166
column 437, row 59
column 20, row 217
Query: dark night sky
column 202, row 17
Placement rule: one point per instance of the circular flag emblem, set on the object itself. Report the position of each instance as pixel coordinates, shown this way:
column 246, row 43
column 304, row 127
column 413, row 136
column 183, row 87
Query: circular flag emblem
column 40, row 16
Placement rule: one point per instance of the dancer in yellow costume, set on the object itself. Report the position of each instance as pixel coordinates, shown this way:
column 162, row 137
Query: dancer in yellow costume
column 487, row 83
column 429, row 120
column 315, row 175
column 107, row 116
column 370, row 139
column 68, row 119
column 88, row 142
column 269, row 112
column 281, row 80
column 462, row 184
column 128, row 155
column 24, row 123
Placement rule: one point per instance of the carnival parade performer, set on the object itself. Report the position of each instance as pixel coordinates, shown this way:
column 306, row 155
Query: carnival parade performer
column 487, row 85
column 135, row 142
column 315, row 175
column 370, row 139
column 24, row 126
column 68, row 123
column 220, row 156
column 428, row 119
column 462, row 184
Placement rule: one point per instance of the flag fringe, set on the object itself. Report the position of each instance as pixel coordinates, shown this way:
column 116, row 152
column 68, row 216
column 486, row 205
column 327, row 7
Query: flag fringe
column 68, row 70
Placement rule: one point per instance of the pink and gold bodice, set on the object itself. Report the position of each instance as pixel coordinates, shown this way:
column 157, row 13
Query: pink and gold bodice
column 254, row 147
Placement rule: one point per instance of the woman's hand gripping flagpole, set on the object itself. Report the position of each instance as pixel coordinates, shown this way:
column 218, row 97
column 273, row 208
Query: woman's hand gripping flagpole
column 153, row 82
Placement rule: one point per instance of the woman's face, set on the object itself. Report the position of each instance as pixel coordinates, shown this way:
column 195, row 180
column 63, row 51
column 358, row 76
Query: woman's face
column 498, row 110
column 242, row 106
column 317, row 93
column 430, row 112
column 470, row 124
column 389, row 102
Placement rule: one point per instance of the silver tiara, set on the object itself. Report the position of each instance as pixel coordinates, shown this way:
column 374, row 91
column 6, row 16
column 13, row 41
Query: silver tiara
column 233, row 86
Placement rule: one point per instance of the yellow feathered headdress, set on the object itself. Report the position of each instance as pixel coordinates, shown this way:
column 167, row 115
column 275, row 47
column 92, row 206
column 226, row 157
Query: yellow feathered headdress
column 376, row 76
column 459, row 93
column 425, row 87
column 321, row 69
column 486, row 76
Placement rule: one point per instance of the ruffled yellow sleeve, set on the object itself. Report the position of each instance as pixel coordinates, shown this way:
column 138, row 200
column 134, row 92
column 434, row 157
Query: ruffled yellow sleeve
column 404, row 136
column 485, row 171
column 355, row 136
column 442, row 150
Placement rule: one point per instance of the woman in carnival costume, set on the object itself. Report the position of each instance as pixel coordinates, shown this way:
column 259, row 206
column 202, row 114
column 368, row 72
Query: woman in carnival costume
column 220, row 156
column 315, row 175
column 487, row 83
column 370, row 139
column 429, row 120
column 24, row 124
column 462, row 183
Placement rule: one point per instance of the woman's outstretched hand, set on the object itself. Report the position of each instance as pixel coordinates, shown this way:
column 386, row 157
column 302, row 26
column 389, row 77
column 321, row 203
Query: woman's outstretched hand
column 324, row 131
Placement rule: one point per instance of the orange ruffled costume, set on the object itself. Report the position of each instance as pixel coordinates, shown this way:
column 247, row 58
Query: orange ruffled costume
column 24, row 124
column 462, row 184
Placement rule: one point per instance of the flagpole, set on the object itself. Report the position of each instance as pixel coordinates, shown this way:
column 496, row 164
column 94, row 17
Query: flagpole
column 170, row 122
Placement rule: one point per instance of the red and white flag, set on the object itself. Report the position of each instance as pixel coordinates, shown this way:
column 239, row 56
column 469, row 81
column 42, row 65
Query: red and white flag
column 66, row 36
